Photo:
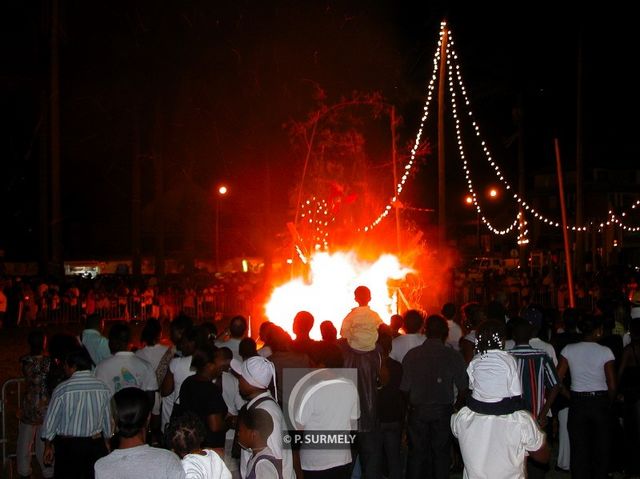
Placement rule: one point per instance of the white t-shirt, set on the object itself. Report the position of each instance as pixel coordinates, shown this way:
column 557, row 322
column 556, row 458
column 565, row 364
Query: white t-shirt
column 264, row 469
column 124, row 369
column 274, row 441
column 233, row 344
column 495, row 447
column 586, row 363
column 152, row 354
column 331, row 404
column 404, row 343
column 140, row 462
column 205, row 466
column 181, row 370
column 455, row 333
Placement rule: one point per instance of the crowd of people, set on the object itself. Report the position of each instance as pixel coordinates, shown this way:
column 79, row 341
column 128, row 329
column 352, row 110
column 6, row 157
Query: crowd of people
column 39, row 301
column 484, row 388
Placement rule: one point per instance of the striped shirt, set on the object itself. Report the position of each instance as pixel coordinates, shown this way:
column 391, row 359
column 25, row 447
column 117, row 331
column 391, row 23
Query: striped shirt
column 79, row 407
column 537, row 375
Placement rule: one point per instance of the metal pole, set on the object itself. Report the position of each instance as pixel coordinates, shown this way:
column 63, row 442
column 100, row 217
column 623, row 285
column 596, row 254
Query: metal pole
column 56, row 205
column 565, row 231
column 478, row 233
column 442, row 218
column 217, row 234
column 395, row 175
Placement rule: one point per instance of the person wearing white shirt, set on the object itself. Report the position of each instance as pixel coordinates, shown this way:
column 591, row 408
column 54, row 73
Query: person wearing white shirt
column 179, row 370
column 326, row 399
column 593, row 385
column 494, row 432
column 124, row 368
column 413, row 322
column 237, row 330
column 257, row 374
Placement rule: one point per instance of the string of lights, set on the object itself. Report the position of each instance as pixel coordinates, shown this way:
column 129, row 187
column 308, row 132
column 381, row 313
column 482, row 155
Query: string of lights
column 498, row 172
column 465, row 163
column 408, row 168
column 520, row 221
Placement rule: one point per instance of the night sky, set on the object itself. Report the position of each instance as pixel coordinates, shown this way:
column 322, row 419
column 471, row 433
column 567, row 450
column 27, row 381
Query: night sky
column 213, row 87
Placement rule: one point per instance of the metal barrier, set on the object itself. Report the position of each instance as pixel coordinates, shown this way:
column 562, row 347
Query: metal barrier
column 9, row 407
column 113, row 307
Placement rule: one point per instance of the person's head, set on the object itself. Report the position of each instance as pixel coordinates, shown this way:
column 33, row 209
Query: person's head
column 37, row 342
column 247, row 348
column 263, row 332
column 591, row 327
column 77, row 359
column 448, row 311
column 362, row 295
column 61, row 344
column 490, row 335
column 95, row 322
column 326, row 355
column 222, row 360
column 496, row 310
column 151, row 332
column 178, row 327
column 437, row 327
column 533, row 315
column 328, row 331
column 190, row 340
column 131, row 412
column 570, row 318
column 119, row 337
column 280, row 339
column 185, row 434
column 385, row 338
column 256, row 376
column 520, row 330
column 302, row 324
column 208, row 332
column 473, row 315
column 203, row 361
column 254, row 428
column 237, row 327
column 413, row 321
column 396, row 322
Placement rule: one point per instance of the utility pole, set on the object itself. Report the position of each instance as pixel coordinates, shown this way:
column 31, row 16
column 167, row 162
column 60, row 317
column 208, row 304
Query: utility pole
column 54, row 119
column 522, row 246
column 136, row 197
column 442, row 217
column 395, row 177
column 580, row 236
column 159, row 191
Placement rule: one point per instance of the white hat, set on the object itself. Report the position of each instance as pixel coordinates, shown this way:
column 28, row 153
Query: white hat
column 236, row 366
column 259, row 372
column 494, row 376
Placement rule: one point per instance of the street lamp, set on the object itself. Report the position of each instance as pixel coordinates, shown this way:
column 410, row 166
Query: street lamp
column 221, row 193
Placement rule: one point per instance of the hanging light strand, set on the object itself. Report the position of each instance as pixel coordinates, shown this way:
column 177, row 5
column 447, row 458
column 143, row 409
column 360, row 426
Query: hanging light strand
column 410, row 165
column 465, row 163
column 497, row 171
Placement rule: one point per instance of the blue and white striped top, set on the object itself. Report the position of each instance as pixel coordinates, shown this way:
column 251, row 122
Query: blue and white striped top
column 79, row 407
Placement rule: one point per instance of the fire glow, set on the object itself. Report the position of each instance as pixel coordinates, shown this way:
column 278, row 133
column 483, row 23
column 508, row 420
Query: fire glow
column 329, row 293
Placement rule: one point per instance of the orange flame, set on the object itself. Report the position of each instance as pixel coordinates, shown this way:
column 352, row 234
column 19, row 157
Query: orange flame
column 329, row 294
